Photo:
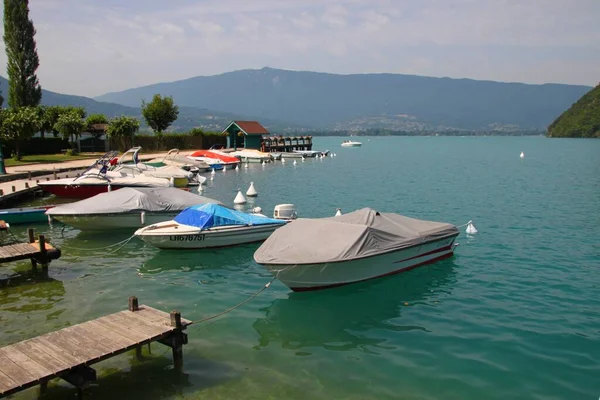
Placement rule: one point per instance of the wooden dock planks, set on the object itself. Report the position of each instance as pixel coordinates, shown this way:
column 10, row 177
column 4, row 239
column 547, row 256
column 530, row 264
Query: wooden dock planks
column 66, row 352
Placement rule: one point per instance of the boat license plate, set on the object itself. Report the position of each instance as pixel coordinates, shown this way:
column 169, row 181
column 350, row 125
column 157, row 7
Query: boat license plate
column 186, row 238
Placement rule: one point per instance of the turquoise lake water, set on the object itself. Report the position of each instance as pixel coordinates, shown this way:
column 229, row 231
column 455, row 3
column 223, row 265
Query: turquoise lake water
column 515, row 314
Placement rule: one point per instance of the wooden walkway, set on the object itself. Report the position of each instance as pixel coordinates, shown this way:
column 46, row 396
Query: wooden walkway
column 67, row 353
column 35, row 250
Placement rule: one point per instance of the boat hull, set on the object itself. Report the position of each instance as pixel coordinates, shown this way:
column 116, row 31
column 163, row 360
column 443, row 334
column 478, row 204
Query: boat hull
column 26, row 215
column 222, row 237
column 351, row 144
column 99, row 222
column 305, row 277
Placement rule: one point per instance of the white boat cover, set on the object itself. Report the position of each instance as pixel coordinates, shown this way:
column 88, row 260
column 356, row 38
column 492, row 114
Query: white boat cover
column 133, row 199
column 358, row 234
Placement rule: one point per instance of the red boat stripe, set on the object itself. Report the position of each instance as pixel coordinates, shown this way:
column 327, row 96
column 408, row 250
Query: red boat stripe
column 311, row 288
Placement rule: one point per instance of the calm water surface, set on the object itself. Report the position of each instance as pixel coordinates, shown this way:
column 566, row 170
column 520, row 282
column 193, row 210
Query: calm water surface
column 514, row 315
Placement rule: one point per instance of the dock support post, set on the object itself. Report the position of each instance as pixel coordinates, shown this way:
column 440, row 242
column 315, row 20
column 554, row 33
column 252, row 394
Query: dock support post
column 178, row 340
column 133, row 304
column 28, row 175
column 44, row 254
column 54, row 172
column 133, row 307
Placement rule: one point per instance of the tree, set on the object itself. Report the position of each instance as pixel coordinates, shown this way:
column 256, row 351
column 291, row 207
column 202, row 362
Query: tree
column 19, row 124
column 160, row 113
column 122, row 128
column 51, row 115
column 196, row 132
column 24, row 88
column 70, row 124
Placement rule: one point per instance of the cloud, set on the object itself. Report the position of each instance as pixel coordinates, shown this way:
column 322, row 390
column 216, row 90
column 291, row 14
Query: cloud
column 93, row 47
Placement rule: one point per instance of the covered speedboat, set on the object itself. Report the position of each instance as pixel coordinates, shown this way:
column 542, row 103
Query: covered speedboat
column 128, row 208
column 174, row 158
column 209, row 225
column 310, row 254
column 216, row 159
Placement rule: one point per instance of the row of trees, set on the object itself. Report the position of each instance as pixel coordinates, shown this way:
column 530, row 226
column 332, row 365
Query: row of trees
column 21, row 123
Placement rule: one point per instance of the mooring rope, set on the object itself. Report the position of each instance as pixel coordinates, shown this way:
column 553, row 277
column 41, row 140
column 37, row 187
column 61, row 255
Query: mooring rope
column 122, row 244
column 230, row 309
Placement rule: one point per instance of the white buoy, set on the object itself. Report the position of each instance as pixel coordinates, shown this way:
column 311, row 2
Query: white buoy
column 251, row 192
column 283, row 160
column 303, row 159
column 212, row 172
column 237, row 167
column 257, row 210
column 246, row 165
column 295, row 162
column 471, row 230
column 224, row 168
column 239, row 198
column 334, row 154
column 338, row 212
column 522, row 155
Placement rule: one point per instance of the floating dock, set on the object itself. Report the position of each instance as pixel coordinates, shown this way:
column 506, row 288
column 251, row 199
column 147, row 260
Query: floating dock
column 68, row 353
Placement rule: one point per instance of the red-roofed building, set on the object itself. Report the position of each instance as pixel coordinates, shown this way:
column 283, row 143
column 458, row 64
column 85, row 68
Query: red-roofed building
column 247, row 134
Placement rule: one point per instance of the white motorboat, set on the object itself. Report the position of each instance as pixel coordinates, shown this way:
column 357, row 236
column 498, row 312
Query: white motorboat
column 351, row 143
column 209, row 225
column 310, row 254
column 292, row 155
column 130, row 164
column 250, row 156
column 128, row 208
column 97, row 179
column 308, row 153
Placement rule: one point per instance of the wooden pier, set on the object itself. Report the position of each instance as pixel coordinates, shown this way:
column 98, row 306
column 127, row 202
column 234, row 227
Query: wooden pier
column 38, row 251
column 68, row 353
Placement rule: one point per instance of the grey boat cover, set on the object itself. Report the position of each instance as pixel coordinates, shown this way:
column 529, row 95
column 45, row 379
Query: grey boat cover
column 358, row 234
column 133, row 199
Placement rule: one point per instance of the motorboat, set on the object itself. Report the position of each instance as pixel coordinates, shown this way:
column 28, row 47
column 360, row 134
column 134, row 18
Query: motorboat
column 24, row 215
column 128, row 208
column 292, row 155
column 308, row 153
column 311, row 254
column 174, row 158
column 209, row 225
column 130, row 163
column 215, row 159
column 98, row 179
column 351, row 143
column 251, row 156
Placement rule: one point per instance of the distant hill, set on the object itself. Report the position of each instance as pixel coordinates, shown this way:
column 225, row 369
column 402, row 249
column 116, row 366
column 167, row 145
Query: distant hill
column 367, row 101
column 581, row 120
column 189, row 117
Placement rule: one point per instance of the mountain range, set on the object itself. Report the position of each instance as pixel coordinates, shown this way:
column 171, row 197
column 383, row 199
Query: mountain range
column 296, row 100
column 361, row 101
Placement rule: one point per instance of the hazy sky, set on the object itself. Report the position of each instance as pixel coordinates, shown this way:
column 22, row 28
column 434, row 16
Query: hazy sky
column 90, row 47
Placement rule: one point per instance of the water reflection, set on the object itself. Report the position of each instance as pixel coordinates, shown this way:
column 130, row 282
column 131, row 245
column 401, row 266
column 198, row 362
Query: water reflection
column 189, row 260
column 342, row 318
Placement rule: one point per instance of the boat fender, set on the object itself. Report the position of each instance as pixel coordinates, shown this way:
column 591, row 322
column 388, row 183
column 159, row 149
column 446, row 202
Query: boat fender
column 143, row 217
column 109, row 188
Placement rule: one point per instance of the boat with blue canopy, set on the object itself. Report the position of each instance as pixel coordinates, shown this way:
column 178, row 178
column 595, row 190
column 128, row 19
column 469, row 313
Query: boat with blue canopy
column 207, row 226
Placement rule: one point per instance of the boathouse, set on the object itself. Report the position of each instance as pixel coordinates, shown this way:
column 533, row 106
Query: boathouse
column 246, row 134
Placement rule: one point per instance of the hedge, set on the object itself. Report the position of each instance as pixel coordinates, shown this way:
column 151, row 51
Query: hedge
column 169, row 141
column 35, row 146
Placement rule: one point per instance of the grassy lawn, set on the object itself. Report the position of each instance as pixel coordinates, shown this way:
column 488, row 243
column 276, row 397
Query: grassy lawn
column 46, row 158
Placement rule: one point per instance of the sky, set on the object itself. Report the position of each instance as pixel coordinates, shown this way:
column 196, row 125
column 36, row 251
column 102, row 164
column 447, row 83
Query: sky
column 90, row 47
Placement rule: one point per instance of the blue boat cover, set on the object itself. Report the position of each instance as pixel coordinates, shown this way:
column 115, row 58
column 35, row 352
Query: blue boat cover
column 210, row 215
